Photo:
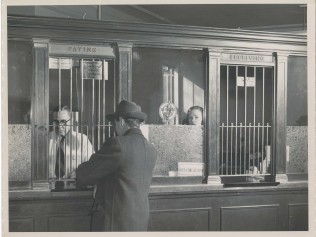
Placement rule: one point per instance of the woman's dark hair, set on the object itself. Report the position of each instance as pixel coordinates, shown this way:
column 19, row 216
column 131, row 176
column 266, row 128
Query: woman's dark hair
column 195, row 107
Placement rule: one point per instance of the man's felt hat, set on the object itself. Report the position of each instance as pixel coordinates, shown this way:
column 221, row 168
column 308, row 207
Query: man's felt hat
column 127, row 109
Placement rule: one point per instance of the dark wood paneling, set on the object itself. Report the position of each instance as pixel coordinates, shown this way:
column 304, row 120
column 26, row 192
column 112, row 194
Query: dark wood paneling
column 24, row 224
column 39, row 117
column 78, row 223
column 51, row 215
column 298, row 217
column 213, row 118
column 250, row 218
column 263, row 209
column 281, row 108
column 193, row 219
column 151, row 34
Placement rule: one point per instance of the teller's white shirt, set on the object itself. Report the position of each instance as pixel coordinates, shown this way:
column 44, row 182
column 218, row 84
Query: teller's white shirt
column 77, row 149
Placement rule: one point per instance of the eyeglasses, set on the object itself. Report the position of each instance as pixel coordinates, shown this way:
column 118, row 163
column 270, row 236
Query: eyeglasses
column 61, row 122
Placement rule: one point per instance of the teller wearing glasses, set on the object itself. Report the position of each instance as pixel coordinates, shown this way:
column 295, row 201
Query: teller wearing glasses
column 67, row 147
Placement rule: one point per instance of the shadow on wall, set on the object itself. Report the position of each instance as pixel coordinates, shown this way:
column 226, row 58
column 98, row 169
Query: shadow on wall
column 302, row 121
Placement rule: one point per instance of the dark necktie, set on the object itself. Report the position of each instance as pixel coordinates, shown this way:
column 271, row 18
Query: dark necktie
column 60, row 159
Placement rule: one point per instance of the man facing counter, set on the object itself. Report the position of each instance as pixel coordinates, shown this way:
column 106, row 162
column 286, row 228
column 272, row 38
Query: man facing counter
column 122, row 170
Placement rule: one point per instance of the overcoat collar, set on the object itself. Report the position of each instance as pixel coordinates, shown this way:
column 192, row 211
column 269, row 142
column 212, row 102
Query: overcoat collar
column 133, row 131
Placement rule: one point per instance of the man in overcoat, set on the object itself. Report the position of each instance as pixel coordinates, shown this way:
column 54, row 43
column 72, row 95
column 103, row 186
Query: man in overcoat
column 122, row 171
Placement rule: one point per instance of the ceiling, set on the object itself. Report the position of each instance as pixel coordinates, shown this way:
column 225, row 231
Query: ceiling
column 231, row 16
column 269, row 17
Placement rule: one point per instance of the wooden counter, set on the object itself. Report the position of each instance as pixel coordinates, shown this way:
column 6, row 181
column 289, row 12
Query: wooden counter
column 173, row 208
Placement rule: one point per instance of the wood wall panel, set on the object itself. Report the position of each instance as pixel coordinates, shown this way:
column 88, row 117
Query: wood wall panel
column 69, row 223
column 222, row 210
column 250, row 218
column 193, row 219
column 23, row 224
column 298, row 216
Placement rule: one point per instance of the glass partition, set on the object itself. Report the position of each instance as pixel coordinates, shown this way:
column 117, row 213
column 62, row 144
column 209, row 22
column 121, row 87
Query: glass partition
column 166, row 81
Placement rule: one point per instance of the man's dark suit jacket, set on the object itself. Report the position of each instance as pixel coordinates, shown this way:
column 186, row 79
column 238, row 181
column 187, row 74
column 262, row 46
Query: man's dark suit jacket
column 122, row 170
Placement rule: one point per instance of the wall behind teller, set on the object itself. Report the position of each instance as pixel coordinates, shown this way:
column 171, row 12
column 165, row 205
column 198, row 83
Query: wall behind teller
column 162, row 75
column 175, row 144
column 19, row 152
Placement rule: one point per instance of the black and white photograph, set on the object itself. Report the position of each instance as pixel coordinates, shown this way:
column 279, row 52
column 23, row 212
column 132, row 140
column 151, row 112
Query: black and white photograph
column 185, row 118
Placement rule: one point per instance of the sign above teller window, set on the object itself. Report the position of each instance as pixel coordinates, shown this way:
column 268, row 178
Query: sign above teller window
column 247, row 58
column 89, row 50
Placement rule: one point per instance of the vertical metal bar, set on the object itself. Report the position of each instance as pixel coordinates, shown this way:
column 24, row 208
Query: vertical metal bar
column 114, row 84
column 82, row 152
column 71, row 150
column 236, row 116
column 254, row 112
column 82, row 106
column 105, row 64
column 226, row 153
column 78, row 102
column 76, row 122
column 267, row 141
column 109, row 127
column 70, row 104
column 59, row 143
column 66, row 157
column 244, row 147
column 231, row 148
column 169, row 84
column 249, row 153
column 87, row 152
column 245, row 139
column 227, row 93
column 236, row 163
column 222, row 146
column 176, row 94
column 227, row 98
column 236, row 121
column 99, row 117
column 77, row 144
column 48, row 166
column 53, row 150
column 240, row 132
column 71, row 119
column 259, row 127
column 272, row 151
column 59, row 84
column 263, row 98
column 93, row 114
column 59, row 105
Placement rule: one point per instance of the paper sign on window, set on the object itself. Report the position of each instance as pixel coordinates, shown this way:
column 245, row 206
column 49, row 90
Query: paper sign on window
column 60, row 63
column 92, row 70
column 250, row 81
column 190, row 169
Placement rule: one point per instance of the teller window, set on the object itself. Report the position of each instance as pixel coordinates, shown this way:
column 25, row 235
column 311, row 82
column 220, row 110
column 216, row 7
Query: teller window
column 173, row 83
column 81, row 93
